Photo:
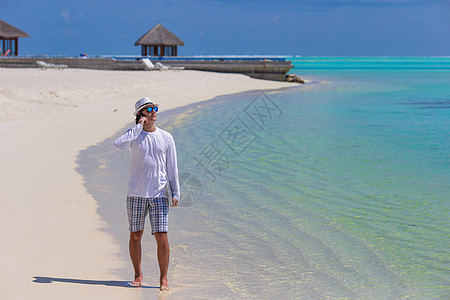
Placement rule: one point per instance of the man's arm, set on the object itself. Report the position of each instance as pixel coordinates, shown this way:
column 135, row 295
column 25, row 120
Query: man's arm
column 172, row 171
column 124, row 141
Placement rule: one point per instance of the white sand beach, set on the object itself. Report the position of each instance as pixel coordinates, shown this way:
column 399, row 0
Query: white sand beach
column 53, row 243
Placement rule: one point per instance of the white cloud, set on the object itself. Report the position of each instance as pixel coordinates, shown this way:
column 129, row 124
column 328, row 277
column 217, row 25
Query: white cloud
column 66, row 15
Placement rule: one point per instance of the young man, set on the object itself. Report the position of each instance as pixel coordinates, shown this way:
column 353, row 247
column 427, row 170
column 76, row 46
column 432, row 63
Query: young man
column 153, row 171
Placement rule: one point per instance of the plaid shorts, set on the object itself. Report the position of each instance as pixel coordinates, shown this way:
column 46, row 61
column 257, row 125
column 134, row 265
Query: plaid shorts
column 139, row 207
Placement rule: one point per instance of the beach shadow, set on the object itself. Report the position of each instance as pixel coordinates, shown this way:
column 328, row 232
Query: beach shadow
column 115, row 283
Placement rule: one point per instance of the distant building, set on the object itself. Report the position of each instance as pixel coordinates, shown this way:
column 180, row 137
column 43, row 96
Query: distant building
column 159, row 41
column 9, row 39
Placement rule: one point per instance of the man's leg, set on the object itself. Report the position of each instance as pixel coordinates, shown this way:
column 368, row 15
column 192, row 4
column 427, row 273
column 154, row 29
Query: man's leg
column 163, row 258
column 135, row 255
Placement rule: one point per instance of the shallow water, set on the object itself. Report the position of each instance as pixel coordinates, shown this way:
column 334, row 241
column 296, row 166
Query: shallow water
column 336, row 189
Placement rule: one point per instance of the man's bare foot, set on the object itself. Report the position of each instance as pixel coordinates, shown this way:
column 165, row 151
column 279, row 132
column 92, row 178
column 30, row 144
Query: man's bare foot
column 137, row 282
column 164, row 286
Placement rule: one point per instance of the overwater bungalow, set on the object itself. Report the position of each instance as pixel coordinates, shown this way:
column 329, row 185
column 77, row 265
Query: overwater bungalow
column 9, row 39
column 159, row 41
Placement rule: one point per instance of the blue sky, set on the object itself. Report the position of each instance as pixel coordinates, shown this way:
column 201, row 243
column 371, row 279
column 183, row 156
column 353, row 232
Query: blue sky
column 308, row 27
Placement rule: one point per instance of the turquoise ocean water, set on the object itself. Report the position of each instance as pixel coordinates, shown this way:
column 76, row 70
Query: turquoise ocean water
column 338, row 189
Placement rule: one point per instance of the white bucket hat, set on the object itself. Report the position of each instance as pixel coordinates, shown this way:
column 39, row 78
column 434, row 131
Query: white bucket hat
column 143, row 103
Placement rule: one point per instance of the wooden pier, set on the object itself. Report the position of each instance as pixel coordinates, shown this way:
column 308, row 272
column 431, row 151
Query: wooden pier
column 261, row 68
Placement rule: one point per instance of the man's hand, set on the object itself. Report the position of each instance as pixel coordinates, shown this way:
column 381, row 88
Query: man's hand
column 174, row 202
column 143, row 120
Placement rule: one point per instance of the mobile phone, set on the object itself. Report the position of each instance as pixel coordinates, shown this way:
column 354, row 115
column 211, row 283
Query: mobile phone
column 138, row 117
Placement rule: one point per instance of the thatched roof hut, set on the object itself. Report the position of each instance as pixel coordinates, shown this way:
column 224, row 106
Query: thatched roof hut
column 9, row 38
column 159, row 41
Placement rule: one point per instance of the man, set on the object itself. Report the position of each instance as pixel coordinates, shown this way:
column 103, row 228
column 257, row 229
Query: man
column 153, row 177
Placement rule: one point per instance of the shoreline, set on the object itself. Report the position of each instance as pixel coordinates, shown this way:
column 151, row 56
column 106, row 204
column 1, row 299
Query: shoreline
column 46, row 206
column 105, row 172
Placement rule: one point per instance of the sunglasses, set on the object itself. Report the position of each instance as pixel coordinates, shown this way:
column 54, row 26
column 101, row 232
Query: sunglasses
column 151, row 108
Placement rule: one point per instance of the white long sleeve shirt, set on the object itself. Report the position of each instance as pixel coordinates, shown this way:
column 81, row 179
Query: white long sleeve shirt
column 153, row 162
